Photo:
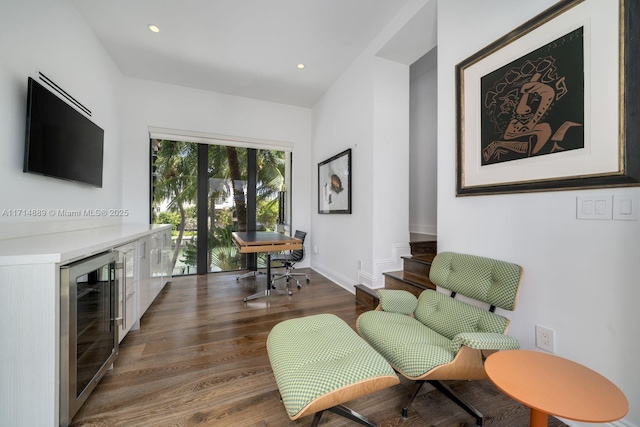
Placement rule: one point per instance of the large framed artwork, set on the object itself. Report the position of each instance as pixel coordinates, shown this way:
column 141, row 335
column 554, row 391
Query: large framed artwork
column 554, row 104
column 334, row 184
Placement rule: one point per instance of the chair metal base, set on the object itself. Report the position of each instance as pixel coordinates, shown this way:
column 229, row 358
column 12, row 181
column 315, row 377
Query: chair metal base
column 266, row 293
column 253, row 273
column 344, row 412
column 288, row 276
column 444, row 389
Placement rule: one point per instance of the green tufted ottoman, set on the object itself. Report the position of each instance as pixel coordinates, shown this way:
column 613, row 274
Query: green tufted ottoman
column 319, row 362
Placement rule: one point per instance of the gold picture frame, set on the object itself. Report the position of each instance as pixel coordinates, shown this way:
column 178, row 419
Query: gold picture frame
column 551, row 105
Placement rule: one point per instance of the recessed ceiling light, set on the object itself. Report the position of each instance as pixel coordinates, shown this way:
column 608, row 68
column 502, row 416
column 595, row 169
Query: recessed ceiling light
column 301, row 66
column 154, row 28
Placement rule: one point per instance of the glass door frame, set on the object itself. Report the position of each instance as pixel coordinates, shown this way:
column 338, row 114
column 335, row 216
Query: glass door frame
column 202, row 265
column 202, row 194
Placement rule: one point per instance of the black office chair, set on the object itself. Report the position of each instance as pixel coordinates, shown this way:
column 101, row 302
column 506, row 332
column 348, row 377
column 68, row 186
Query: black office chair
column 288, row 260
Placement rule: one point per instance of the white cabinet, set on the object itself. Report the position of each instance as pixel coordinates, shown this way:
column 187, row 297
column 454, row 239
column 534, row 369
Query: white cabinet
column 155, row 266
column 30, row 309
column 156, row 263
column 161, row 259
column 167, row 256
column 127, row 287
column 144, row 281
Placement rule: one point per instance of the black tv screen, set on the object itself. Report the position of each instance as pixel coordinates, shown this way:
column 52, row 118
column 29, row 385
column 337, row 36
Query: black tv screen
column 60, row 141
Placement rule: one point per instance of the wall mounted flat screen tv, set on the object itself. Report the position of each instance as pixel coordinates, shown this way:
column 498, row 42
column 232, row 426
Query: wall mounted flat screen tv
column 60, row 141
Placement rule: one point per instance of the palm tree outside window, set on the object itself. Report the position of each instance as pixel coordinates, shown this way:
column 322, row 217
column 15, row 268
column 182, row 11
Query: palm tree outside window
column 174, row 201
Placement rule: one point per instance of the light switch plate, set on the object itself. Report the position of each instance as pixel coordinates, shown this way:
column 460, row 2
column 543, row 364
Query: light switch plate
column 594, row 207
column 626, row 207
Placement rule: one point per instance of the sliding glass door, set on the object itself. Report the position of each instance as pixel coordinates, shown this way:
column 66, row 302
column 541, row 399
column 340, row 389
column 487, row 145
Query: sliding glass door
column 209, row 191
column 173, row 194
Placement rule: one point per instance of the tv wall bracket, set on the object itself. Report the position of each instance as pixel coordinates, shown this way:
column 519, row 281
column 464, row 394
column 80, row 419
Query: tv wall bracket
column 63, row 93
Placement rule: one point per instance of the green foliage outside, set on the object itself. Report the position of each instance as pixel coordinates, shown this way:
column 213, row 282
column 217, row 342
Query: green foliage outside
column 267, row 213
column 174, row 190
column 167, row 217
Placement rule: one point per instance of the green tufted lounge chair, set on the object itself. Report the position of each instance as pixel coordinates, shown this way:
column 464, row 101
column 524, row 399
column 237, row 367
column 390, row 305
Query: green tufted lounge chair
column 439, row 337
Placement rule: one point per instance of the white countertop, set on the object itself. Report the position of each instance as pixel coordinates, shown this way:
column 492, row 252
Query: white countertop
column 68, row 246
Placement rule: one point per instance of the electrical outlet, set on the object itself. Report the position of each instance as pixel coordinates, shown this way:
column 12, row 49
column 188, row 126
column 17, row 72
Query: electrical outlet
column 544, row 338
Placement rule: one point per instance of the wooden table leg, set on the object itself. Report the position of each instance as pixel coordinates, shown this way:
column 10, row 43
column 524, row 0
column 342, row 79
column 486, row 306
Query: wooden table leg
column 538, row 418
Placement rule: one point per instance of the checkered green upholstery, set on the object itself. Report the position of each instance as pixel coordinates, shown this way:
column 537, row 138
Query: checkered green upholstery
column 450, row 317
column 441, row 325
column 315, row 355
column 485, row 341
column 484, row 279
column 394, row 301
column 407, row 344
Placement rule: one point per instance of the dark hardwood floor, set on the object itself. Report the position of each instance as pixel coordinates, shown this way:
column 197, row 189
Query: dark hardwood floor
column 199, row 359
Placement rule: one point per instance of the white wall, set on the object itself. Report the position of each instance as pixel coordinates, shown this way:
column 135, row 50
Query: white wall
column 390, row 167
column 40, row 35
column 580, row 277
column 343, row 119
column 367, row 110
column 161, row 105
column 423, row 212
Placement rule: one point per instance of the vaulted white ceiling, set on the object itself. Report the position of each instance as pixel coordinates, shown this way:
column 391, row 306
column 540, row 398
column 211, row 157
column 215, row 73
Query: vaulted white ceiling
column 249, row 48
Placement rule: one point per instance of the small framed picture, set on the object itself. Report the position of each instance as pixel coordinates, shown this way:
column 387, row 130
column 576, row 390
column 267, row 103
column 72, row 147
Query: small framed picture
column 334, row 184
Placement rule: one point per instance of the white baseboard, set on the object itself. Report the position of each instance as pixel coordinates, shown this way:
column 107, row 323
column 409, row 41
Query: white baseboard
column 375, row 279
column 335, row 277
column 423, row 229
column 398, row 250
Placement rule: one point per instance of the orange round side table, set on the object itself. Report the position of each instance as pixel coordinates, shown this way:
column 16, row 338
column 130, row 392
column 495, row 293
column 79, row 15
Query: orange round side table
column 552, row 385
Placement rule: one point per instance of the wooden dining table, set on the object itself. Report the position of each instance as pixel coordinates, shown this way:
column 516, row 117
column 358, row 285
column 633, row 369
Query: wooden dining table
column 552, row 385
column 265, row 242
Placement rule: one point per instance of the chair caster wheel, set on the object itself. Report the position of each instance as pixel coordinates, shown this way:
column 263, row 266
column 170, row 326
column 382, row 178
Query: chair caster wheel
column 244, row 299
column 290, row 293
column 299, row 286
column 308, row 280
